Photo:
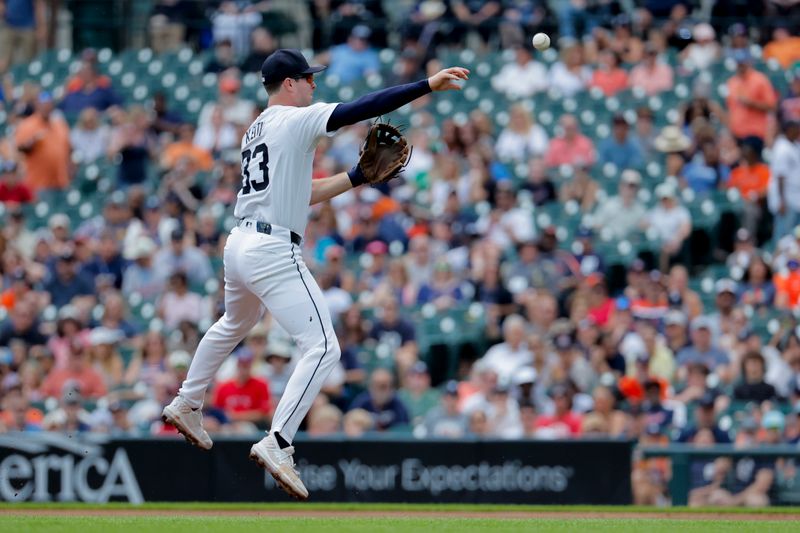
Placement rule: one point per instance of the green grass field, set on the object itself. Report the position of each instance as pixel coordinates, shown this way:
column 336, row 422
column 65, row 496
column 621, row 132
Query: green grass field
column 289, row 518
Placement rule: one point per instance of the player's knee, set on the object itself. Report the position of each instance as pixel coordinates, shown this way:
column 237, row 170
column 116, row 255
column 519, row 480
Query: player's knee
column 237, row 326
column 334, row 351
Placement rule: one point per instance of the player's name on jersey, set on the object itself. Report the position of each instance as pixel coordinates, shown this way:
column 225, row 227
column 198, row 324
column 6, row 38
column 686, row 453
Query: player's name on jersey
column 254, row 132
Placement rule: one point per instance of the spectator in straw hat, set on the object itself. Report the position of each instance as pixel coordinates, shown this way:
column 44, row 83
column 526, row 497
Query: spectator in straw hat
column 279, row 366
column 674, row 143
column 105, row 357
column 672, row 140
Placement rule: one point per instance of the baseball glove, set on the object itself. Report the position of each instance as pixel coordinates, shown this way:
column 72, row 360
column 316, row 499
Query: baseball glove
column 384, row 154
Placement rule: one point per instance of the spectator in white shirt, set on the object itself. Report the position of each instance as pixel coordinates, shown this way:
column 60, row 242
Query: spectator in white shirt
column 507, row 225
column 180, row 256
column 570, row 76
column 235, row 110
column 503, row 411
column 234, row 24
column 178, row 304
column 671, row 222
column 522, row 78
column 522, row 138
column 89, row 137
column 783, row 194
column 704, row 51
column 623, row 213
column 511, row 354
column 217, row 135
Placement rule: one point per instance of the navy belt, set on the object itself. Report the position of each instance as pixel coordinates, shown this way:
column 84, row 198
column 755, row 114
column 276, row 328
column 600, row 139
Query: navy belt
column 266, row 228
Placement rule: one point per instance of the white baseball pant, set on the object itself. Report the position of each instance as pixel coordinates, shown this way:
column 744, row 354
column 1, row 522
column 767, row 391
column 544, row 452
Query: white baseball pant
column 268, row 271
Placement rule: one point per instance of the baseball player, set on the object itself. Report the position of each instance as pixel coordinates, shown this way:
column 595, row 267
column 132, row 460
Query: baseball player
column 264, row 266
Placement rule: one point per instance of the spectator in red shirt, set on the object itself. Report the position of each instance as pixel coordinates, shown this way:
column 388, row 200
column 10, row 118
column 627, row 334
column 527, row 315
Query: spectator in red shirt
column 12, row 189
column 562, row 424
column 244, row 398
column 571, row 147
column 78, row 371
column 609, row 76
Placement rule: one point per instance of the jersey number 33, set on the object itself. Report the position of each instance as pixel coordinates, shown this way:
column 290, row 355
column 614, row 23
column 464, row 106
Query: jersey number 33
column 256, row 182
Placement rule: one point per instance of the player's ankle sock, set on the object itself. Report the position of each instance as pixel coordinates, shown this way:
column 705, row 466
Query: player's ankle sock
column 281, row 441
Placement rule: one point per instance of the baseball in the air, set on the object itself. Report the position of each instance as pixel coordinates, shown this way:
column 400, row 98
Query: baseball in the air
column 541, row 41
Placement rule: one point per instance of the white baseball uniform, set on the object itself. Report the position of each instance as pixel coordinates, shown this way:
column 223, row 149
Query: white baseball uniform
column 268, row 271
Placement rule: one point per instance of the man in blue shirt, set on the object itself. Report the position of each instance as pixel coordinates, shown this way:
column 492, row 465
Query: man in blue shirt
column 620, row 148
column 355, row 59
column 20, row 22
column 701, row 350
column 705, row 172
column 381, row 400
column 89, row 88
column 66, row 283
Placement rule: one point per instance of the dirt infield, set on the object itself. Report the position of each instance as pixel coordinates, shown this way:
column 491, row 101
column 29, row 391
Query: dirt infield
column 500, row 515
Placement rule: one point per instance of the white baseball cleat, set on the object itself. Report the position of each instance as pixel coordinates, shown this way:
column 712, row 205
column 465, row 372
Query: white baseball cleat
column 278, row 462
column 188, row 422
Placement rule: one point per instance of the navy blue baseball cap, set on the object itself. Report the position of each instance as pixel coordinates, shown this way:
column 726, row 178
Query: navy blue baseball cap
column 286, row 63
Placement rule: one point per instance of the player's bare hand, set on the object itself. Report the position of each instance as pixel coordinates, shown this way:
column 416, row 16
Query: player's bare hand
column 446, row 79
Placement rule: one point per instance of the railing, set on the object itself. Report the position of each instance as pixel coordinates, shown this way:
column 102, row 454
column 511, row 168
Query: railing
column 786, row 488
column 120, row 24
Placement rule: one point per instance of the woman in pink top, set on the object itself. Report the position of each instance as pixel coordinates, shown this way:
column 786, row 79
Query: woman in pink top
column 651, row 75
column 572, row 147
column 68, row 330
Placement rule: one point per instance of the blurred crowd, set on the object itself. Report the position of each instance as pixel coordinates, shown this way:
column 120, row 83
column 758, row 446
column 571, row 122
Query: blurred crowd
column 101, row 315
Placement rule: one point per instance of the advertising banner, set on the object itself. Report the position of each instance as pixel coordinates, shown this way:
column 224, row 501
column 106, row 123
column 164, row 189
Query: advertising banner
column 53, row 467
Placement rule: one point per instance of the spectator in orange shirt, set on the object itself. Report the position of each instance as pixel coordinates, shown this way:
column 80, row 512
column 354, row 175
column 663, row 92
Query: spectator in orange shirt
column 751, row 99
column 751, row 179
column 572, row 147
column 43, row 138
column 78, row 370
column 17, row 414
column 787, row 286
column 783, row 47
column 609, row 77
column 185, row 147
column 651, row 75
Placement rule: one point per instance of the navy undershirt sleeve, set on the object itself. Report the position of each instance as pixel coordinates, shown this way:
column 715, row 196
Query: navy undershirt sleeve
column 376, row 104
